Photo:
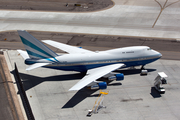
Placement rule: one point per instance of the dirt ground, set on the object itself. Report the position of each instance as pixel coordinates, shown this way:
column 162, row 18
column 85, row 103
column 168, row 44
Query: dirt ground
column 56, row 5
column 9, row 105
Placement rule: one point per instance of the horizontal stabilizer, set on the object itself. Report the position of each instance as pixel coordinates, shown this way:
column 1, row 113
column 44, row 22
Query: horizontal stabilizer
column 23, row 54
column 37, row 65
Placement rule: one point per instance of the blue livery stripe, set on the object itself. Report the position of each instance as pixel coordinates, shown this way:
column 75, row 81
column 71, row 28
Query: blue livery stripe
column 40, row 56
column 50, row 59
column 35, row 54
column 56, row 60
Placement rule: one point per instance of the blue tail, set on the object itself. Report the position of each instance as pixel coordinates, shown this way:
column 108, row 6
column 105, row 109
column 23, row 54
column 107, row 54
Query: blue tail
column 34, row 47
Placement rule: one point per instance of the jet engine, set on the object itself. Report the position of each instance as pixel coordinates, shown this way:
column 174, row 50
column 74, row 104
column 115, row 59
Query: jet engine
column 117, row 77
column 100, row 85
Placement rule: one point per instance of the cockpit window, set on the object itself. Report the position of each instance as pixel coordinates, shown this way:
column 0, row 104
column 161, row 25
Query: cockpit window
column 149, row 49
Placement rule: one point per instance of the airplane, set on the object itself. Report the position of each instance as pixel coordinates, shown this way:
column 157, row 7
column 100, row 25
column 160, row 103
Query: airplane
column 95, row 64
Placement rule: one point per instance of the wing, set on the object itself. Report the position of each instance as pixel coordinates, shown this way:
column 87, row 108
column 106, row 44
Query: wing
column 94, row 74
column 23, row 54
column 67, row 48
column 37, row 65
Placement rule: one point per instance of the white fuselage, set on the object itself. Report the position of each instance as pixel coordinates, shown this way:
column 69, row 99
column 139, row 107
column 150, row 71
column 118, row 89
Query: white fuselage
column 130, row 56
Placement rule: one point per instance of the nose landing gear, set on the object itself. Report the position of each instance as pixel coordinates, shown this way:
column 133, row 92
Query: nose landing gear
column 143, row 71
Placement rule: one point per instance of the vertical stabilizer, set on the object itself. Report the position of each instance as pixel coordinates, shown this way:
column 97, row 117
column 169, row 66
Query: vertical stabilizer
column 34, row 47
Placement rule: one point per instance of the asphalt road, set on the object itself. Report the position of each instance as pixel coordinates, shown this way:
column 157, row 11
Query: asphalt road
column 168, row 47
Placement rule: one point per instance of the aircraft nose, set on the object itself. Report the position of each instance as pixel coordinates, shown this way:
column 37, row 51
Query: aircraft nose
column 158, row 54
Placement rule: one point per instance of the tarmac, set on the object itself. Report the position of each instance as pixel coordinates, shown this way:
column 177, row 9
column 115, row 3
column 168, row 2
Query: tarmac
column 133, row 98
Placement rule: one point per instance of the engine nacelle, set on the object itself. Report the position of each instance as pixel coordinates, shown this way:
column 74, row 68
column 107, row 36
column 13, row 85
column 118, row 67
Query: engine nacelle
column 117, row 77
column 101, row 85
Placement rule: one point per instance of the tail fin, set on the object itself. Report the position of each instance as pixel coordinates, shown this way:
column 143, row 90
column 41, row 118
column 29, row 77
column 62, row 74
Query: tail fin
column 34, row 47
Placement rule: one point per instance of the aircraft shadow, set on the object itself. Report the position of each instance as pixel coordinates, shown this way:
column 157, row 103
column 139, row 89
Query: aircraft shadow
column 80, row 96
column 132, row 71
column 30, row 81
column 84, row 93
column 115, row 84
column 155, row 93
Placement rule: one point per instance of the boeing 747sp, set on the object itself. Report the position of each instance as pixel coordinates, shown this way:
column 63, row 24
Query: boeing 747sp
column 94, row 64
